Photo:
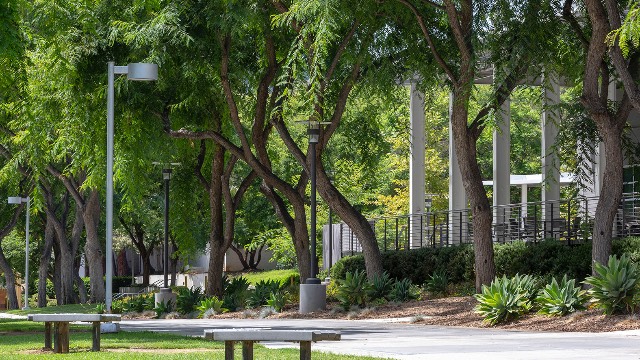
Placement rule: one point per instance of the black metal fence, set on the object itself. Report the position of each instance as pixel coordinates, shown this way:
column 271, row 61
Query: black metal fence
column 570, row 221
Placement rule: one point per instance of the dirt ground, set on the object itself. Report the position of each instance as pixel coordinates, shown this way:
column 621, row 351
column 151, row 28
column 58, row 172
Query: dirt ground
column 459, row 311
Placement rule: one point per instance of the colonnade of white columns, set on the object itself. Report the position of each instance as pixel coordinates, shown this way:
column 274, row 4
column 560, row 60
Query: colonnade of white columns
column 501, row 160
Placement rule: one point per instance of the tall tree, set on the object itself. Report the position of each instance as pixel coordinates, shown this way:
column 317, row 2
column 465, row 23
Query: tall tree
column 610, row 121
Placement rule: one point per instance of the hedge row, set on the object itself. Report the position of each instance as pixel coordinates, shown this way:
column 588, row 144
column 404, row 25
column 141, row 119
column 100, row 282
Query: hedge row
column 547, row 258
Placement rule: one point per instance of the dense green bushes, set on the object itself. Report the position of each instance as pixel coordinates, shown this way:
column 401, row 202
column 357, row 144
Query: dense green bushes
column 548, row 258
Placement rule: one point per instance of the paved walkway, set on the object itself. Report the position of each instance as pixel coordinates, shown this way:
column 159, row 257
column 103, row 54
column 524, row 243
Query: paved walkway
column 412, row 342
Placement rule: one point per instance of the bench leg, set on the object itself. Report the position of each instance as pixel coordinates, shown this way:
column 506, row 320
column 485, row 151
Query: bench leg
column 61, row 337
column 228, row 350
column 47, row 336
column 95, row 334
column 305, row 350
column 247, row 350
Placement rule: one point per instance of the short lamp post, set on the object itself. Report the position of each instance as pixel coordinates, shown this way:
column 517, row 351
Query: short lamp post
column 20, row 200
column 135, row 72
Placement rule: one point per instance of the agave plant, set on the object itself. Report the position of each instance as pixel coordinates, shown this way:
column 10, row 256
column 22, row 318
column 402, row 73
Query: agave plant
column 187, row 299
column 212, row 304
column 560, row 299
column 437, row 283
column 354, row 289
column 502, row 301
column 381, row 286
column 615, row 285
column 278, row 299
column 262, row 293
column 404, row 290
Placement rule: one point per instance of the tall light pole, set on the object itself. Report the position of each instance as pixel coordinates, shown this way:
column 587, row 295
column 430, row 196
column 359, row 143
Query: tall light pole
column 135, row 72
column 20, row 200
column 166, row 175
column 314, row 135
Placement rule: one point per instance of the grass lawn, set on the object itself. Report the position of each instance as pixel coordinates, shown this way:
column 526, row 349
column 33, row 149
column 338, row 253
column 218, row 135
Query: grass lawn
column 255, row 277
column 24, row 340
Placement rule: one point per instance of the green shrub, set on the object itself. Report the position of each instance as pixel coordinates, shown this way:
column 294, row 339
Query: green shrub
column 277, row 300
column 437, row 283
column 101, row 308
column 117, row 306
column 381, row 286
column 560, row 299
column 262, row 293
column 139, row 303
column 353, row 290
column 527, row 285
column 187, row 299
column 163, row 308
column 211, row 304
column 549, row 258
column 403, row 290
column 235, row 293
column 615, row 285
column 501, row 301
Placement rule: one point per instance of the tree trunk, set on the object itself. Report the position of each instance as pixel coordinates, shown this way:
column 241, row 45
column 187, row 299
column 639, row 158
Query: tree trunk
column 465, row 146
column 174, row 263
column 216, row 237
column 45, row 260
column 93, row 250
column 82, row 290
column 354, row 219
column 241, row 257
column 146, row 267
column 610, row 195
column 10, row 281
column 55, row 279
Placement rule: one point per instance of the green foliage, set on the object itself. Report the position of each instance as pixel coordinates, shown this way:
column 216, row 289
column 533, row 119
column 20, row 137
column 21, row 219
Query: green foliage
column 549, row 258
column 187, row 299
column 278, row 300
column 138, row 303
column 262, row 293
column 101, row 308
column 527, row 285
column 211, row 303
column 560, row 299
column 381, row 286
column 235, row 293
column 353, row 290
column 502, row 301
column 404, row 290
column 628, row 35
column 117, row 306
column 615, row 285
column 437, row 283
column 163, row 308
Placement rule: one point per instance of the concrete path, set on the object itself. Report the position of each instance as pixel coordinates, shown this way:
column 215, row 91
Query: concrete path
column 412, row 342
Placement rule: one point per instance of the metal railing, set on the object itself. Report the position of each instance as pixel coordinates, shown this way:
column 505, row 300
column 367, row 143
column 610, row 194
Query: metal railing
column 147, row 289
column 570, row 221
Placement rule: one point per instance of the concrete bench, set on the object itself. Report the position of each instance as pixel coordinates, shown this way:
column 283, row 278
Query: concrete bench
column 61, row 328
column 249, row 336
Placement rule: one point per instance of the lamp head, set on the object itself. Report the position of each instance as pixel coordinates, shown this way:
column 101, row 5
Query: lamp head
column 15, row 200
column 166, row 174
column 142, row 72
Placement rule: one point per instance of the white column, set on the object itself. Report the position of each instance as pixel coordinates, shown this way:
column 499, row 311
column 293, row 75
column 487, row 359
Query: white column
column 416, row 164
column 457, row 195
column 501, row 163
column 524, row 196
column 550, row 162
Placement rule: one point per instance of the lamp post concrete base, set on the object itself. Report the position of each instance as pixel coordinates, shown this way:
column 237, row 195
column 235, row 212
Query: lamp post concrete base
column 313, row 297
column 164, row 296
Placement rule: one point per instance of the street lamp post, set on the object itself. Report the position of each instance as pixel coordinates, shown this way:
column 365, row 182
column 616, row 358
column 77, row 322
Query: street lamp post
column 19, row 200
column 314, row 134
column 135, row 72
column 166, row 175
column 313, row 294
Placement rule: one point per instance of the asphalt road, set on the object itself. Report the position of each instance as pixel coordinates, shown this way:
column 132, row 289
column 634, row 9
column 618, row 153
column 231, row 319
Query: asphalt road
column 405, row 341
